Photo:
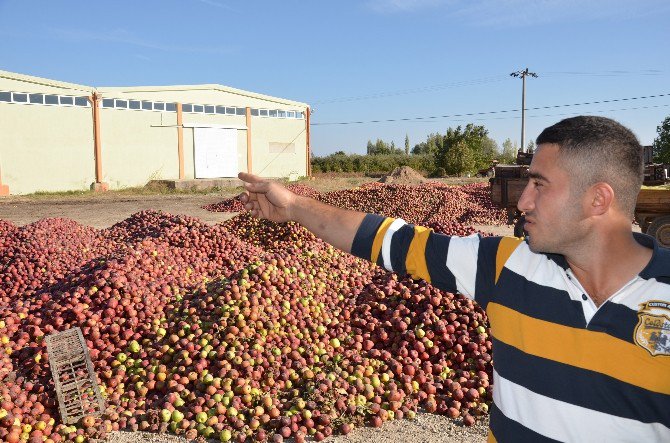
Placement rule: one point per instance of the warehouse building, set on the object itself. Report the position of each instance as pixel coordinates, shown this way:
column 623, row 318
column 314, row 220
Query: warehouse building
column 57, row 136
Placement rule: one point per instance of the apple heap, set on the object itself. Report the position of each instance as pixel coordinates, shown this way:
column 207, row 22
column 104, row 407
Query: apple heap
column 452, row 208
column 243, row 330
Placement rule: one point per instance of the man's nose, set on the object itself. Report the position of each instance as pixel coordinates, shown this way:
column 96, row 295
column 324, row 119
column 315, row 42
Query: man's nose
column 526, row 203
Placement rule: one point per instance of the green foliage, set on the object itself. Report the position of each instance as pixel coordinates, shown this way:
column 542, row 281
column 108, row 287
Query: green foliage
column 661, row 145
column 372, row 164
column 509, row 151
column 474, row 149
column 459, row 158
column 380, row 147
column 406, row 144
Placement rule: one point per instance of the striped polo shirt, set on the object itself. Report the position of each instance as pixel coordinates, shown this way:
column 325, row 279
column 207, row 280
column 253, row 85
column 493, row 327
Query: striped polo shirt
column 564, row 369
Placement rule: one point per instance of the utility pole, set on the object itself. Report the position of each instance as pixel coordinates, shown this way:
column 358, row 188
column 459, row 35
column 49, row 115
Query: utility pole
column 523, row 74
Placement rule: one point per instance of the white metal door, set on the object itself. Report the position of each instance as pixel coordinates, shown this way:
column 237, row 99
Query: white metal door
column 215, row 152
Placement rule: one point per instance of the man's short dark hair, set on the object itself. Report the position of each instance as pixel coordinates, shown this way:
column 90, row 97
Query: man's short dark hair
column 599, row 149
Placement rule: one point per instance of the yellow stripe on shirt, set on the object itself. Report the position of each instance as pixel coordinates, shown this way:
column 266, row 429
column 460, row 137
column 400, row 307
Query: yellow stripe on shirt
column 379, row 239
column 590, row 350
column 415, row 261
column 505, row 249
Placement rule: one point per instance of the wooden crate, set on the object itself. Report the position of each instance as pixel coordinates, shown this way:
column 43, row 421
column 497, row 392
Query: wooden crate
column 654, row 199
column 507, row 191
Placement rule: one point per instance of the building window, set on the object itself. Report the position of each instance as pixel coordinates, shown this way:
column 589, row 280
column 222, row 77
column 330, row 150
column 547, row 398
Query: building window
column 107, row 102
column 282, row 148
column 50, row 99
column 198, row 108
column 159, row 106
column 81, row 101
column 134, row 104
column 171, row 107
column 5, row 96
column 19, row 98
column 209, row 109
column 147, row 106
column 66, row 100
column 37, row 98
column 263, row 112
column 121, row 104
column 290, row 114
column 187, row 108
column 230, row 111
column 281, row 114
column 241, row 111
column 273, row 113
column 220, row 109
column 254, row 112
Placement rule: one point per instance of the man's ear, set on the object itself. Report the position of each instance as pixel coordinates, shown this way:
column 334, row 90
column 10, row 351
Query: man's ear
column 602, row 198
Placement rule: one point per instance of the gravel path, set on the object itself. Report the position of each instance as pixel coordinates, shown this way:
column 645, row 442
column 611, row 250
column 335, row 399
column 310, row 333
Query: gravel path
column 427, row 428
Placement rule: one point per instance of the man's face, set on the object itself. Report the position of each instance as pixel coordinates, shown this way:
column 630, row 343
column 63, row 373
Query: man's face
column 553, row 213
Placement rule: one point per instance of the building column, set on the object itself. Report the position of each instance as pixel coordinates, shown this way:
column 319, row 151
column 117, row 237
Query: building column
column 249, row 156
column 4, row 189
column 308, row 113
column 99, row 185
column 180, row 140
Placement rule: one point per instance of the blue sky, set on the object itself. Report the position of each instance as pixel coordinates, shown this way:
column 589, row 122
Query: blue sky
column 368, row 60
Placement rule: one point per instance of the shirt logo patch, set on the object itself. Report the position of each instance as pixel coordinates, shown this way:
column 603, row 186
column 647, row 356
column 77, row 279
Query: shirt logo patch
column 653, row 327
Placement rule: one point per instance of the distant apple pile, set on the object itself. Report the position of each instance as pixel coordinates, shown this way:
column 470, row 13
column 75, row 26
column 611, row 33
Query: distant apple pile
column 243, row 331
column 448, row 209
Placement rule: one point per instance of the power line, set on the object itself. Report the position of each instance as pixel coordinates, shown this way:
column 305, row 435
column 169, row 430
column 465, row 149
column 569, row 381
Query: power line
column 469, row 114
column 480, row 81
column 431, row 88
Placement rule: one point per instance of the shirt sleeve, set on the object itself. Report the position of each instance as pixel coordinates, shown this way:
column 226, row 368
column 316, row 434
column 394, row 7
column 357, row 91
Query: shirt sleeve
column 456, row 264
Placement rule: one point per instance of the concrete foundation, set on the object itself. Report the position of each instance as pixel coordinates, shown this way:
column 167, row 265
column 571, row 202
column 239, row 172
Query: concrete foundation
column 199, row 184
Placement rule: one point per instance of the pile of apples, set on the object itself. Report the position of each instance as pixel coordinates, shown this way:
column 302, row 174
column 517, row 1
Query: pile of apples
column 242, row 331
column 448, row 209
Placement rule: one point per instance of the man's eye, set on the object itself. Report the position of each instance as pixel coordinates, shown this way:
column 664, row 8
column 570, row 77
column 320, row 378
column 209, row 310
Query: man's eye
column 538, row 184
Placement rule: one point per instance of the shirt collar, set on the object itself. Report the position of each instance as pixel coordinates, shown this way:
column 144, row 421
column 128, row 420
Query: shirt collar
column 658, row 266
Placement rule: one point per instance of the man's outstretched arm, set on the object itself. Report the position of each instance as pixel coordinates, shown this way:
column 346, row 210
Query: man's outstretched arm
column 270, row 200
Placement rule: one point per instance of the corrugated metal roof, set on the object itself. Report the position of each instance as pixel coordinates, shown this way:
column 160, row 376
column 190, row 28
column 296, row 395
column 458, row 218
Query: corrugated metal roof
column 131, row 89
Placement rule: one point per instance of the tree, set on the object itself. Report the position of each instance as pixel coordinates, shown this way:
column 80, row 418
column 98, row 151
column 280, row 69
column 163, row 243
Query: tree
column 459, row 159
column 531, row 147
column 509, row 151
column 406, row 144
column 661, row 147
column 370, row 148
column 474, row 139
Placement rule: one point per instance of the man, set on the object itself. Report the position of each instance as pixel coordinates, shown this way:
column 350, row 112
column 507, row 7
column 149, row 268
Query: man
column 572, row 307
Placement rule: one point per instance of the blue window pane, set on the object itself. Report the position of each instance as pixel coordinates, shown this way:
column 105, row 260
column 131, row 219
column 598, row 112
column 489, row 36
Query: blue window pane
column 81, row 101
column 198, row 108
column 241, row 111
column 37, row 98
column 281, row 114
column 159, row 106
column 147, row 106
column 20, row 98
column 107, row 102
column 5, row 96
column 123, row 104
column 50, row 99
column 220, row 109
column 187, row 108
column 254, row 112
column 171, row 107
column 209, row 109
column 273, row 112
column 66, row 100
column 263, row 112
column 134, row 104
